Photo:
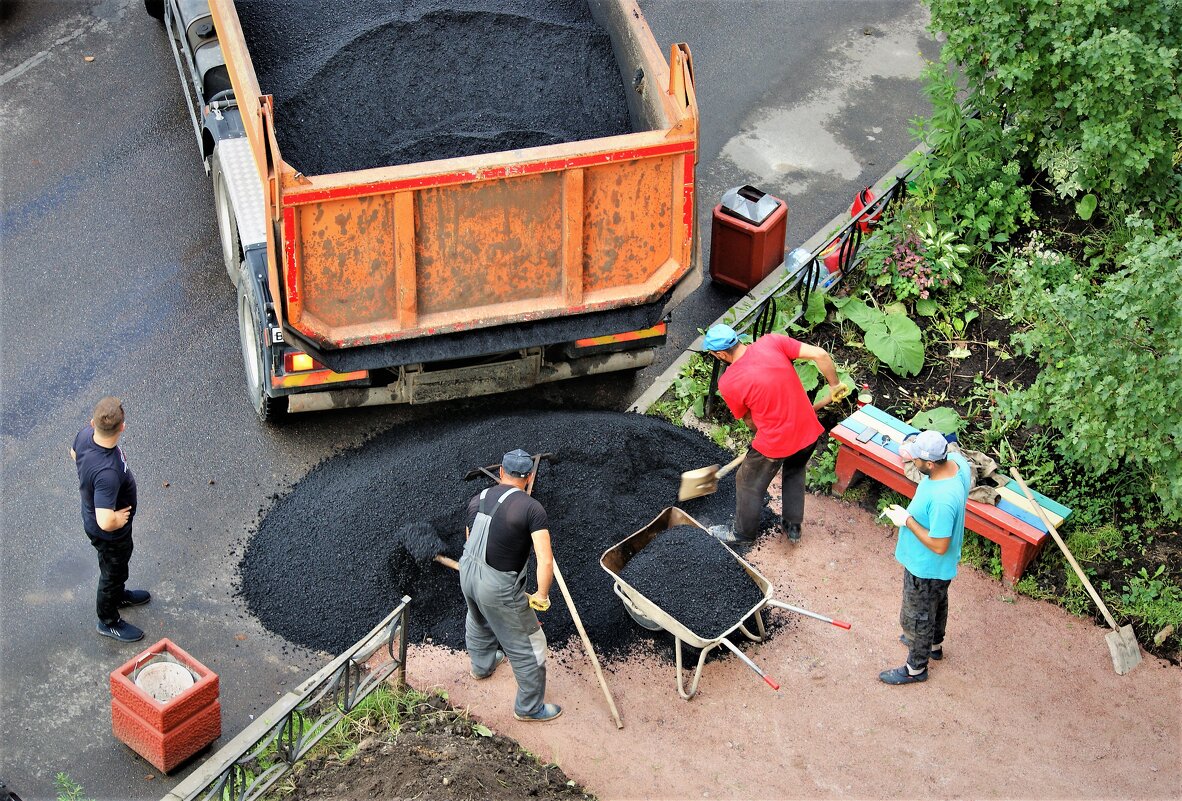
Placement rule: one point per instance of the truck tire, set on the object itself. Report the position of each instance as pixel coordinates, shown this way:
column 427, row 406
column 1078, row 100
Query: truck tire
column 256, row 354
column 155, row 8
column 227, row 224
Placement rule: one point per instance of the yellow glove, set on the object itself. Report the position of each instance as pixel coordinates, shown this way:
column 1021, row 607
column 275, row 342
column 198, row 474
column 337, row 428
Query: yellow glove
column 538, row 603
column 840, row 392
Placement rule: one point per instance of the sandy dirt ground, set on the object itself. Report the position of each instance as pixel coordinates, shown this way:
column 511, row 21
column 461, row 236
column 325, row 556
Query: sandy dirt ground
column 1025, row 703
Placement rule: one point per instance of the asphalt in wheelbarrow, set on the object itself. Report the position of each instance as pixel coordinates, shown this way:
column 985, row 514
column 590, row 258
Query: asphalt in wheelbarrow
column 668, row 572
column 318, row 570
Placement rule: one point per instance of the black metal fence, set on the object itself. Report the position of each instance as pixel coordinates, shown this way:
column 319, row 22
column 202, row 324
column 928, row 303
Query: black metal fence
column 250, row 764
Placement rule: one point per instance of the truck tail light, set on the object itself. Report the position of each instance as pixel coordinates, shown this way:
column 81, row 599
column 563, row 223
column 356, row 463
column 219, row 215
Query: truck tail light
column 300, row 362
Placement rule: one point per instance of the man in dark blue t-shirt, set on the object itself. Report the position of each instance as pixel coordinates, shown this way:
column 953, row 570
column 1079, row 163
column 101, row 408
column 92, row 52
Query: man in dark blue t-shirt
column 107, row 487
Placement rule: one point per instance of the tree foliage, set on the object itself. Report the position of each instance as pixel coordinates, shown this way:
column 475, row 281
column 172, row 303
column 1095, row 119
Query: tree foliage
column 1090, row 87
column 1111, row 360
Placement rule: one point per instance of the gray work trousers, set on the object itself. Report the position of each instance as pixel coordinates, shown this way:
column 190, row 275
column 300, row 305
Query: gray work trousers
column 755, row 474
column 499, row 614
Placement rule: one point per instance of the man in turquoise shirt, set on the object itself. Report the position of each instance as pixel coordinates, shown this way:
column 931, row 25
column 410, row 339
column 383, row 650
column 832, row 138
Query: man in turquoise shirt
column 931, row 533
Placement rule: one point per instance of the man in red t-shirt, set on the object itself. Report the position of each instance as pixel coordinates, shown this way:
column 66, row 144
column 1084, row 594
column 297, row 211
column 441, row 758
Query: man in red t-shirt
column 760, row 386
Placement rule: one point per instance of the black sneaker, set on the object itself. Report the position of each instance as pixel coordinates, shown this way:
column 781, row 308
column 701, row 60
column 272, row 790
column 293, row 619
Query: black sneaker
column 120, row 630
column 901, row 675
column 134, row 598
column 792, row 530
column 937, row 652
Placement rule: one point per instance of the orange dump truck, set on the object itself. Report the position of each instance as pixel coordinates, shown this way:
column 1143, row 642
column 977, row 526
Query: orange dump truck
column 424, row 281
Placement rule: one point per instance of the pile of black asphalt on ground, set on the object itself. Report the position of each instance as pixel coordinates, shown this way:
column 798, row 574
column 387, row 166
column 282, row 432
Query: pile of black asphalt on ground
column 324, row 566
column 385, row 82
column 661, row 571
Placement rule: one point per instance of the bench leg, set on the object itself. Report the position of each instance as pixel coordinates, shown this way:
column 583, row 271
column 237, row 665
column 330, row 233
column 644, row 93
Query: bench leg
column 846, row 469
column 1015, row 556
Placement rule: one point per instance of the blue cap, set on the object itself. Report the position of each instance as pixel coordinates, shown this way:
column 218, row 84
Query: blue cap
column 931, row 446
column 720, row 337
column 517, row 463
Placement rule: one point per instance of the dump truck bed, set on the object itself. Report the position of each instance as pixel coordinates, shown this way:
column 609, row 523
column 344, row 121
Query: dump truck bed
column 458, row 257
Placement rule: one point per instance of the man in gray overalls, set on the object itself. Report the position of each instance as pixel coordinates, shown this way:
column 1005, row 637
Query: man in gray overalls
column 503, row 524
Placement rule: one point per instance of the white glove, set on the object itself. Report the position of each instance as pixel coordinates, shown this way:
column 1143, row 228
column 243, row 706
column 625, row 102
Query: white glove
column 896, row 514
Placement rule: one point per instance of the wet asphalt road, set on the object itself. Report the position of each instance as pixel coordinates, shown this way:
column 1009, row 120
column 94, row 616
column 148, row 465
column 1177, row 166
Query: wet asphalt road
column 112, row 284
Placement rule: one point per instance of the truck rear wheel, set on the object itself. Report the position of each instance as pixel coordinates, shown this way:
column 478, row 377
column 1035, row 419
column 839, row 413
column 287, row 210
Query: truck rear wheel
column 256, row 355
column 227, row 224
column 155, row 8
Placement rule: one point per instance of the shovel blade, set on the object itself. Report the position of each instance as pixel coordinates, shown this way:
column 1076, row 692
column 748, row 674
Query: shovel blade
column 696, row 483
column 1126, row 652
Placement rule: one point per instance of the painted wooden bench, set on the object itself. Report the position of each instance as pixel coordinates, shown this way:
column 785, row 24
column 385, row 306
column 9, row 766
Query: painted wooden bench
column 1012, row 523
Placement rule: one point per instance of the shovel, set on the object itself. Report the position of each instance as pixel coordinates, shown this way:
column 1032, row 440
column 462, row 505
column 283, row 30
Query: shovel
column 704, row 480
column 1122, row 642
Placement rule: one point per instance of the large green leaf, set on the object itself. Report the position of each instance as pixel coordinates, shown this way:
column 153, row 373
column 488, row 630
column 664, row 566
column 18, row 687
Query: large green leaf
column 897, row 341
column 808, row 374
column 814, row 313
column 942, row 419
column 857, row 312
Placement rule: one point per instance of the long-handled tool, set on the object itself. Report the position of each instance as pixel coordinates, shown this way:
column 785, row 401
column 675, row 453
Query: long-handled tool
column 574, row 613
column 421, row 543
column 1122, row 642
column 704, row 480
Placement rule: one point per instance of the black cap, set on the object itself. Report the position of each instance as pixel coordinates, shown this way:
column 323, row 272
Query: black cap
column 517, row 463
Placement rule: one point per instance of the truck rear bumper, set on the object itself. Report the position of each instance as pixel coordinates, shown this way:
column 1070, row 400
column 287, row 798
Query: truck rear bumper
column 418, row 386
column 480, row 341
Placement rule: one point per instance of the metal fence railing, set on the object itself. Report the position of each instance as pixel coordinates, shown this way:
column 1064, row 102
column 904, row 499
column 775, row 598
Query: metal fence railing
column 246, row 767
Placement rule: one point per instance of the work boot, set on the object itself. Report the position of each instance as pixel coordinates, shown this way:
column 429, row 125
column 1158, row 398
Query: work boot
column 498, row 658
column 134, row 598
column 547, row 712
column 120, row 630
column 937, row 650
column 902, row 675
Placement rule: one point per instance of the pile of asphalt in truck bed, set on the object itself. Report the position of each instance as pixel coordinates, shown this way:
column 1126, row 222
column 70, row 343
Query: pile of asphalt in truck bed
column 664, row 572
column 385, row 82
column 324, row 565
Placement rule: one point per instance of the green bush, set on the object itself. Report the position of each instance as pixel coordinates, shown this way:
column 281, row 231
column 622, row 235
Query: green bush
column 968, row 180
column 1110, row 363
column 1091, row 88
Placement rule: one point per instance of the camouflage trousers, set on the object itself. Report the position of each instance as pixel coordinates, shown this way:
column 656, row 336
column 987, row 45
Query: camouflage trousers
column 924, row 616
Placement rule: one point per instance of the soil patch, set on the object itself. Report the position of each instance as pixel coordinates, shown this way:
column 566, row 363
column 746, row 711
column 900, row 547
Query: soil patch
column 437, row 753
column 325, row 565
column 393, row 82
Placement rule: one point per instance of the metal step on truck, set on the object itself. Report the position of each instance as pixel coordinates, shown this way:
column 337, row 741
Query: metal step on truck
column 369, row 275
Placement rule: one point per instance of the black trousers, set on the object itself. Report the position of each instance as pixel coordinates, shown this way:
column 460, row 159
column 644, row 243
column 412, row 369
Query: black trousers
column 754, row 476
column 113, row 558
column 924, row 616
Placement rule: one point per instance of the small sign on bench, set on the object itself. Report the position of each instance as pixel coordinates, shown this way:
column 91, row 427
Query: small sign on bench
column 1013, row 523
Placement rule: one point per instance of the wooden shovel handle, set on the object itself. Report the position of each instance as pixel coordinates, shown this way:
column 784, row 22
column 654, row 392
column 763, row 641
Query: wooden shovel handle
column 1063, row 547
column 574, row 613
column 731, row 465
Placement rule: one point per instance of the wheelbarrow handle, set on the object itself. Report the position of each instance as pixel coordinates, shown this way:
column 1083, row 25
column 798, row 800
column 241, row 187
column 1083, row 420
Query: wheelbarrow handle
column 841, row 624
column 734, row 649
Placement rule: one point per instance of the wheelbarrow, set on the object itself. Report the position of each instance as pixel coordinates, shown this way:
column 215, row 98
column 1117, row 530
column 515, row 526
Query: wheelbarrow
column 651, row 616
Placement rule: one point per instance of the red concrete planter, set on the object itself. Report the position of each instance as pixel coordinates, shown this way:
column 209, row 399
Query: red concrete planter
column 165, row 733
